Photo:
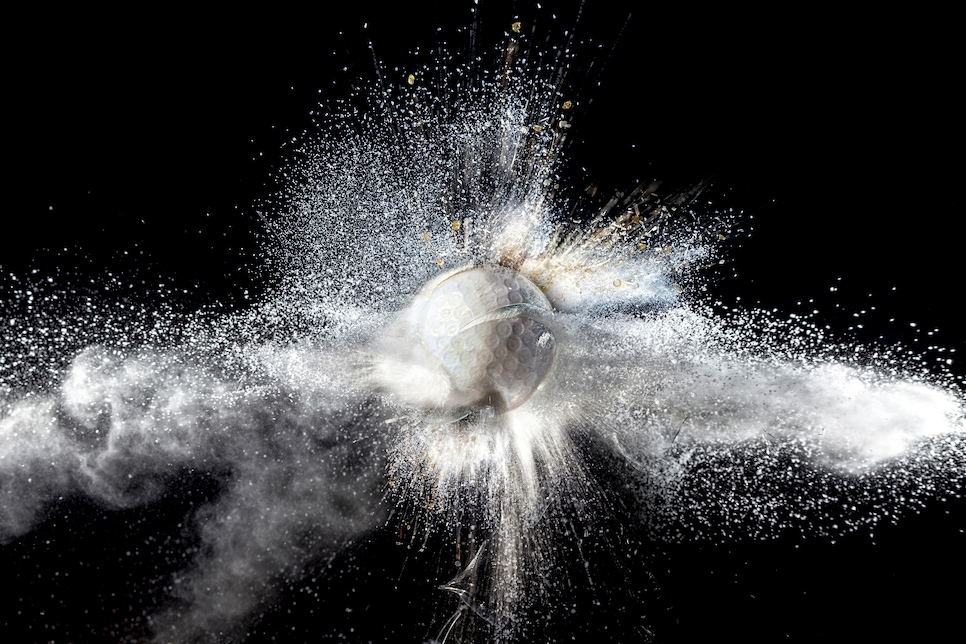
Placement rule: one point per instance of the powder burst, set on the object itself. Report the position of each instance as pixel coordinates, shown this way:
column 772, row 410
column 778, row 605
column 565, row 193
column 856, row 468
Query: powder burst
column 461, row 357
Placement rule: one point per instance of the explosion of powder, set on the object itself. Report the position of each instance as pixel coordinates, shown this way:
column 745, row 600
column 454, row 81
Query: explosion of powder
column 524, row 370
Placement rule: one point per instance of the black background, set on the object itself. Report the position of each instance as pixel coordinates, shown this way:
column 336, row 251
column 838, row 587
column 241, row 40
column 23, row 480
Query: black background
column 141, row 143
column 838, row 133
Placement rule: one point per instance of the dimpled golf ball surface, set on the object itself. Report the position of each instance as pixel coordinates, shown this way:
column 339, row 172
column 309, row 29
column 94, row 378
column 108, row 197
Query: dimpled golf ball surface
column 487, row 328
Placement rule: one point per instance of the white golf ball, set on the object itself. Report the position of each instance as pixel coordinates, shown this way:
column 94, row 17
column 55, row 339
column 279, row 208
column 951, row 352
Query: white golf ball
column 487, row 330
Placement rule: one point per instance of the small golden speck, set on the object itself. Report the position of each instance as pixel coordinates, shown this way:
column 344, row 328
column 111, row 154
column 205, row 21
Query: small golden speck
column 538, row 128
column 516, row 27
column 455, row 225
column 568, row 104
column 412, row 79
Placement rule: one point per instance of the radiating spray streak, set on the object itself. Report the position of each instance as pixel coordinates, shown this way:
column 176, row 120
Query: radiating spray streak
column 282, row 402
